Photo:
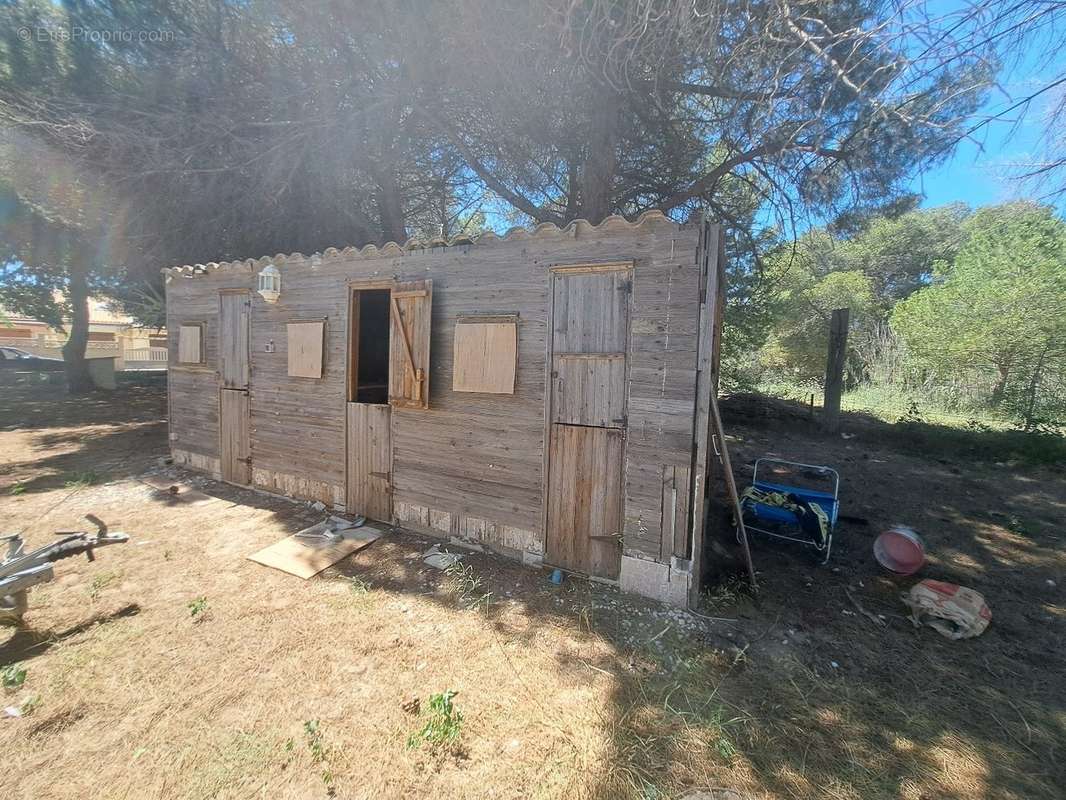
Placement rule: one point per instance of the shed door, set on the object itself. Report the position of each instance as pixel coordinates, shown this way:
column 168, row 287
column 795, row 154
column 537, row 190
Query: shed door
column 233, row 434
column 590, row 328
column 590, row 333
column 233, row 339
column 585, row 500
column 369, row 461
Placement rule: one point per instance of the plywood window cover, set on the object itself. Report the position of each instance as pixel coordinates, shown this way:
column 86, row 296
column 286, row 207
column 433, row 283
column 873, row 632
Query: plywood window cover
column 313, row 365
column 200, row 328
column 471, row 371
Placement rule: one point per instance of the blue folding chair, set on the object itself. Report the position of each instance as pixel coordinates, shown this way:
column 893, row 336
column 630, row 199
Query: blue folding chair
column 781, row 523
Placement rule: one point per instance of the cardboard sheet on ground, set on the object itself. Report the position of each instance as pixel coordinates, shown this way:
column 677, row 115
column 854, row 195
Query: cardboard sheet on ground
column 306, row 557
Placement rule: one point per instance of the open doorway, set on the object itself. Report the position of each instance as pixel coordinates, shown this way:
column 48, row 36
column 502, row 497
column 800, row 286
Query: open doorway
column 369, row 415
column 368, row 350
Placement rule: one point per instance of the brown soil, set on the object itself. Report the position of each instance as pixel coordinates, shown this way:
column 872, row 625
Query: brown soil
column 571, row 691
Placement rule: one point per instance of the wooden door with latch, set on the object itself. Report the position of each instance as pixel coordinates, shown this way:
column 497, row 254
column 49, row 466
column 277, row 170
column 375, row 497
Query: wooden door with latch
column 589, row 345
column 370, row 461
column 388, row 360
column 234, row 337
column 233, row 432
column 585, row 500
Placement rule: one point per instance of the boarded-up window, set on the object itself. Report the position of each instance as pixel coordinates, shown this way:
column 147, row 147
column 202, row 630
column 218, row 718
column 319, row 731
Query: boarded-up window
column 191, row 344
column 485, row 354
column 410, row 304
column 306, row 347
column 101, row 336
column 15, row 333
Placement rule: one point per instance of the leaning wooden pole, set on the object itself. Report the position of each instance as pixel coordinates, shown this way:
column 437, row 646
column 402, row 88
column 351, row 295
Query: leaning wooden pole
column 722, row 451
column 834, row 370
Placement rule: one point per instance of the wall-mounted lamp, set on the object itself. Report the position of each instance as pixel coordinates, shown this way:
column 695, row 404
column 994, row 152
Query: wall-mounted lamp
column 270, row 283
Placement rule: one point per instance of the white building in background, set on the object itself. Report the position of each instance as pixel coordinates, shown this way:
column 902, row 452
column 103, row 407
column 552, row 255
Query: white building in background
column 113, row 335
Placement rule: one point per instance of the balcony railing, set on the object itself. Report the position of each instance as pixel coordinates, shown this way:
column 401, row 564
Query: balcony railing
column 156, row 354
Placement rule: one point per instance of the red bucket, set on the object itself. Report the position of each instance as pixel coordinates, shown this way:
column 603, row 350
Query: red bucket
column 900, row 550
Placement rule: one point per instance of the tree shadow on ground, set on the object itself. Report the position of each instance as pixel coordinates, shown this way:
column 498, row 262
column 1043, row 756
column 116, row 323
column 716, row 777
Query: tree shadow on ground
column 38, row 406
column 28, row 643
column 85, row 457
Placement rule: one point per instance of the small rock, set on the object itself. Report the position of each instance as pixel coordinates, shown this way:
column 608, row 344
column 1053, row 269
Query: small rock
column 318, row 505
column 1050, row 583
column 834, row 665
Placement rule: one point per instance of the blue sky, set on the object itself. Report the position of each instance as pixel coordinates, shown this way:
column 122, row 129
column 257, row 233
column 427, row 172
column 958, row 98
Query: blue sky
column 984, row 171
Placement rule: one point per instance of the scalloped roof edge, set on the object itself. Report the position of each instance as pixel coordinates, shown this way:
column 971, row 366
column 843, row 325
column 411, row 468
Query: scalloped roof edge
column 542, row 231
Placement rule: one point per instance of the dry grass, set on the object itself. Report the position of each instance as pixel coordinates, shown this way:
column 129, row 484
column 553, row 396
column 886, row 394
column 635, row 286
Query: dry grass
column 279, row 687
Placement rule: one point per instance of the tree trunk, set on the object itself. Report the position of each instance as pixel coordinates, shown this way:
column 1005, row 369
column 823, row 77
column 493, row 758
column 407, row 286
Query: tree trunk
column 1034, row 385
column 77, row 368
column 1001, row 385
column 601, row 163
column 834, row 369
column 390, row 207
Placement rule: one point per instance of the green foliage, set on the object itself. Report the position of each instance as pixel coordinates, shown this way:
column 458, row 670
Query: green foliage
column 198, row 608
column 100, row 582
column 467, row 585
column 30, row 704
column 998, row 312
column 806, row 293
column 13, row 676
column 18, row 488
column 898, row 254
column 313, row 732
column 444, row 725
column 320, row 752
column 81, row 479
column 359, row 587
column 966, row 309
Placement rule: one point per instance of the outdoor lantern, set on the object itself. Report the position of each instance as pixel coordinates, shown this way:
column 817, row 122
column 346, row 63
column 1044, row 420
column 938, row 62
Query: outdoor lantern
column 270, row 283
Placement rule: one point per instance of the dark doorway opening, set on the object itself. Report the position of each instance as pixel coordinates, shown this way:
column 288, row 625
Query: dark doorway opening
column 368, row 369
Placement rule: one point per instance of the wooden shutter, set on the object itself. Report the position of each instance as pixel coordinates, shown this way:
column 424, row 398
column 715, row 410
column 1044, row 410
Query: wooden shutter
column 485, row 354
column 409, row 334
column 191, row 344
column 306, row 340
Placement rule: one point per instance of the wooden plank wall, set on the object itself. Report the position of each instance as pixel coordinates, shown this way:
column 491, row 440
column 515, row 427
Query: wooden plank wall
column 471, row 462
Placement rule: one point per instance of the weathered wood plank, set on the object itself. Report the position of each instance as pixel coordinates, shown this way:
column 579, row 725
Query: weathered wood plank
column 589, row 390
column 409, row 344
column 234, row 341
column 233, row 430
column 585, row 499
column 370, row 461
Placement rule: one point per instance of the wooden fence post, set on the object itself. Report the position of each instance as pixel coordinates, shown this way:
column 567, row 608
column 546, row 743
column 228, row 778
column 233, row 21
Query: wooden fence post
column 834, row 370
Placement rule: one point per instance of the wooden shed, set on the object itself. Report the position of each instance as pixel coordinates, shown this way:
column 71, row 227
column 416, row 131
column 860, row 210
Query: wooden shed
column 543, row 394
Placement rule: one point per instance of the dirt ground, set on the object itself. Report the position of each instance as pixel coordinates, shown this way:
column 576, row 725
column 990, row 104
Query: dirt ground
column 278, row 687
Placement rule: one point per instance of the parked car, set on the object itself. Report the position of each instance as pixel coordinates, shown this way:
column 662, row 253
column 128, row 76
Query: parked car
column 13, row 358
